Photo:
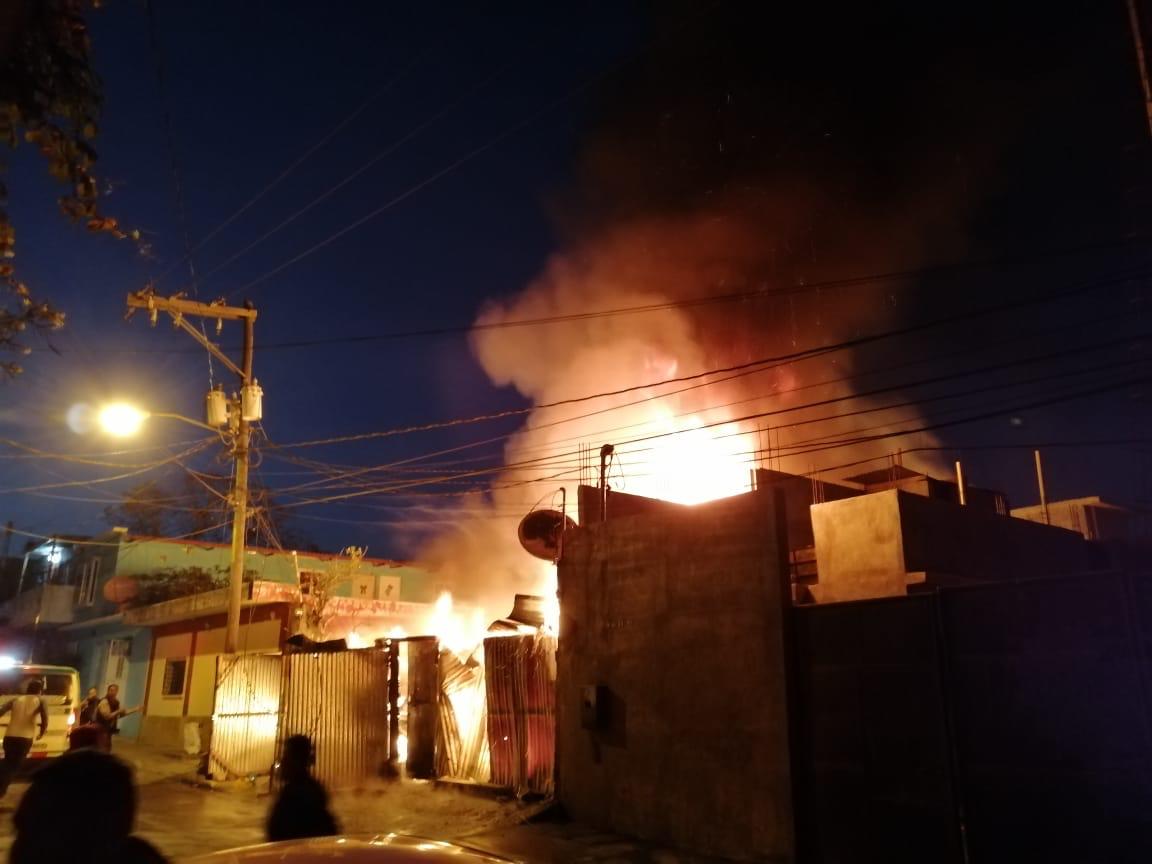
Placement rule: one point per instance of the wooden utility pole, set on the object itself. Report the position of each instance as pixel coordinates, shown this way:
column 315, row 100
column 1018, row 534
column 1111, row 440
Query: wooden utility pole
column 1135, row 22
column 241, row 411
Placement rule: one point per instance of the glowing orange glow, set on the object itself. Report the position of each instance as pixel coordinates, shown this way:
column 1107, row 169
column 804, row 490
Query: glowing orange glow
column 458, row 631
column 551, row 602
column 694, row 465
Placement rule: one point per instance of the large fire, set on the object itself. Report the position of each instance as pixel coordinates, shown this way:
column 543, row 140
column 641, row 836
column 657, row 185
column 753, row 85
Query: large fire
column 689, row 463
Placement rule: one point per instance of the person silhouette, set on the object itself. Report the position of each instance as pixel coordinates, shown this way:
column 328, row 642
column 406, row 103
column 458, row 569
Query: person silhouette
column 301, row 808
column 26, row 711
column 87, row 712
column 82, row 807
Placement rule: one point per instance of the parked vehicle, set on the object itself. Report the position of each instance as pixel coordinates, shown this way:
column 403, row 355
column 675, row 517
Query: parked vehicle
column 60, row 695
column 383, row 849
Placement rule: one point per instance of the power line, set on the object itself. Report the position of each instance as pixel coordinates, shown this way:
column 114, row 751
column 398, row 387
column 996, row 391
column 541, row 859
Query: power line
column 905, row 385
column 332, row 190
column 177, row 184
column 345, row 475
column 77, row 542
column 543, row 110
column 427, row 181
column 336, row 472
column 865, row 439
column 31, row 452
column 932, row 427
column 964, row 448
column 300, row 160
column 803, row 287
column 780, row 359
column 136, row 472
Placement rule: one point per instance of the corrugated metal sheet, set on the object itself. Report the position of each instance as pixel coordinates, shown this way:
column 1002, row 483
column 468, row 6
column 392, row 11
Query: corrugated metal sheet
column 521, row 688
column 461, row 734
column 246, row 716
column 423, row 706
column 340, row 701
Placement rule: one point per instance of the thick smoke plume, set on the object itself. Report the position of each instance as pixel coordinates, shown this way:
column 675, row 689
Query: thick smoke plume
column 723, row 162
column 668, row 445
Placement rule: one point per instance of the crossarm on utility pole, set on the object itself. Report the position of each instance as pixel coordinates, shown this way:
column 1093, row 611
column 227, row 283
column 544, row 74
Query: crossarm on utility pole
column 144, row 300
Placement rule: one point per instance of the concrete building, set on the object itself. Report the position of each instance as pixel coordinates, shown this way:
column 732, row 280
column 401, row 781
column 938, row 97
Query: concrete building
column 896, row 476
column 888, row 543
column 699, row 707
column 1092, row 518
column 887, row 532
column 672, row 719
column 118, row 608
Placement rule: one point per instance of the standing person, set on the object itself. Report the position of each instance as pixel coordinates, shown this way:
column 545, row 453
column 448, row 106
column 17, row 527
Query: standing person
column 301, row 808
column 86, row 732
column 21, row 727
column 108, row 714
column 87, row 712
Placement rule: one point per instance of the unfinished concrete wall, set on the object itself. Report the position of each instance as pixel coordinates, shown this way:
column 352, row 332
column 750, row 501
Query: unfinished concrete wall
column 671, row 695
column 859, row 548
column 800, row 493
column 875, row 545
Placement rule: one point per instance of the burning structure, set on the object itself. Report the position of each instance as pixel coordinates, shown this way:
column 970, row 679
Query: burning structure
column 880, row 730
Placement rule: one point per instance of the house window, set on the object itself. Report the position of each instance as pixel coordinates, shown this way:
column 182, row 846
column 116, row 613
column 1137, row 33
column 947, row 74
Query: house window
column 174, row 677
column 308, row 581
column 119, row 651
column 86, row 595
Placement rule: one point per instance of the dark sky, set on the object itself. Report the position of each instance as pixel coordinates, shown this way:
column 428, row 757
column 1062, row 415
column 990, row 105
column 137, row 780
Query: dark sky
column 856, row 139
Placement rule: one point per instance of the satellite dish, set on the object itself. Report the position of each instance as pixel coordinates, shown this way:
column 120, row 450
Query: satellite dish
column 540, row 533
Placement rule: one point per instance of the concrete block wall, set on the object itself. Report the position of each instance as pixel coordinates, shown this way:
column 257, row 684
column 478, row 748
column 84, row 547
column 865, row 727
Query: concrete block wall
column 675, row 619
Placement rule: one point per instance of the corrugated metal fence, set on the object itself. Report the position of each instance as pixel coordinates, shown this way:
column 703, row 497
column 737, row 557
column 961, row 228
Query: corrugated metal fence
column 247, row 715
column 340, row 701
column 521, row 688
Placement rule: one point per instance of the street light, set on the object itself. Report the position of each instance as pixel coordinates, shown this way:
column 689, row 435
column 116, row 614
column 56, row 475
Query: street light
column 122, row 420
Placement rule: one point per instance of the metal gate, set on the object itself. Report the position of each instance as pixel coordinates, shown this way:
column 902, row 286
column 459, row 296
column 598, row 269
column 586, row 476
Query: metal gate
column 521, row 685
column 246, row 716
column 340, row 701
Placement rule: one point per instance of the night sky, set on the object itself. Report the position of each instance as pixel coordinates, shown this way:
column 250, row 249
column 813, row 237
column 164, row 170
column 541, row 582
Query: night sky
column 1002, row 156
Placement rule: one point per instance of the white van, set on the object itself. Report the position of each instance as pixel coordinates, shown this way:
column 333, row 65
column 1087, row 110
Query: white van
column 61, row 695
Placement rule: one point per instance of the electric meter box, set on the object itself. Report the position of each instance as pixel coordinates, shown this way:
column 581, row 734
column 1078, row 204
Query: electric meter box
column 251, row 402
column 216, row 408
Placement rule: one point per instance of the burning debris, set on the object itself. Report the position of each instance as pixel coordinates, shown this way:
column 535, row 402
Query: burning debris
column 462, row 742
column 497, row 704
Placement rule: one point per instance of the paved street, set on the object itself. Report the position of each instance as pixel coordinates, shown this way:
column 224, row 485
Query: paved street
column 184, row 820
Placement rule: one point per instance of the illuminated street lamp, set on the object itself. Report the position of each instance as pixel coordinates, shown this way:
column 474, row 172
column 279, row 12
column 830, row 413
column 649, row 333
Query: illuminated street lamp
column 121, row 420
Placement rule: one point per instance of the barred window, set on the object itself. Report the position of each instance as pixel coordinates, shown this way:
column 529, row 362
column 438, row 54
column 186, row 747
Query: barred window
column 174, row 672
column 90, row 576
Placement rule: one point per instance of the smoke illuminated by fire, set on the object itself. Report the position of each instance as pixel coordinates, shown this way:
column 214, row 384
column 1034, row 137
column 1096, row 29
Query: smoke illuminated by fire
column 681, row 441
